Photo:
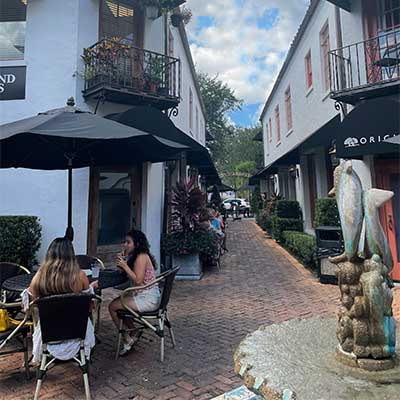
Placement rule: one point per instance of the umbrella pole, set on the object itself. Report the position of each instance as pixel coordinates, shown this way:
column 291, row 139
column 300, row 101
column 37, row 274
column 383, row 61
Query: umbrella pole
column 69, row 233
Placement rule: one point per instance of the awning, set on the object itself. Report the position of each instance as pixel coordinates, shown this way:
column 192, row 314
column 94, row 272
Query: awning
column 323, row 137
column 152, row 120
column 221, row 188
column 365, row 129
column 258, row 137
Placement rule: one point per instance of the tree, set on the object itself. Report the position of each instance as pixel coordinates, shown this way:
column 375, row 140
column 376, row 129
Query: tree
column 219, row 99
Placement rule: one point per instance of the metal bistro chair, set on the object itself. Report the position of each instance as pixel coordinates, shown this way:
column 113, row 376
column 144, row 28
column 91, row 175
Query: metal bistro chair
column 63, row 317
column 166, row 280
column 18, row 330
column 84, row 262
column 9, row 270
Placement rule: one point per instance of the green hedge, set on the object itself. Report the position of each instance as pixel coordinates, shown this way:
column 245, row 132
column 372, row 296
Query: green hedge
column 20, row 238
column 326, row 213
column 264, row 220
column 302, row 246
column 279, row 225
column 288, row 209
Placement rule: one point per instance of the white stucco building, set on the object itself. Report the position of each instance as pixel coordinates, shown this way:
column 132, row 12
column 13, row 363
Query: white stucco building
column 336, row 96
column 47, row 39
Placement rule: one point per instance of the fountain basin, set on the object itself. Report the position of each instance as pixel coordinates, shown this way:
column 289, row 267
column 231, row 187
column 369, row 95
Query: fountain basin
column 297, row 360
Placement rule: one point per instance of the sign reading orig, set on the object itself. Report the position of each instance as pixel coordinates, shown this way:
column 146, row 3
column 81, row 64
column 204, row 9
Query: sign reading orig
column 12, row 83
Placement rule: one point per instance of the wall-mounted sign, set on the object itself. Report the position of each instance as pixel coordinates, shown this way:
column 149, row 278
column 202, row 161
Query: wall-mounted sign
column 12, row 83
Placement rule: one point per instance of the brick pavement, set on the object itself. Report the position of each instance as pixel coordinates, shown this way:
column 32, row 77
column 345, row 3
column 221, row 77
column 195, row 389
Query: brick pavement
column 259, row 284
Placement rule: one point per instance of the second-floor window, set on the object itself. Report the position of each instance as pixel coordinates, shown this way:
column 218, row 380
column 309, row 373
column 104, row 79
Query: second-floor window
column 190, row 109
column 309, row 77
column 197, row 123
column 12, row 29
column 121, row 19
column 288, row 106
column 389, row 15
column 325, row 47
column 278, row 125
column 270, row 130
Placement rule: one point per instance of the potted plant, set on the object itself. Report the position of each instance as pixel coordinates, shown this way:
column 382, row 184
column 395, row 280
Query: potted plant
column 184, row 15
column 187, row 243
column 154, row 73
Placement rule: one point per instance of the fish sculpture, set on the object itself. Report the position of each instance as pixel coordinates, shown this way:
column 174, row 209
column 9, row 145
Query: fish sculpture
column 349, row 201
column 376, row 241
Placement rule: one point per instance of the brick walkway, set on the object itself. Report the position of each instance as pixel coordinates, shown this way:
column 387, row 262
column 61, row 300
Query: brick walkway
column 258, row 285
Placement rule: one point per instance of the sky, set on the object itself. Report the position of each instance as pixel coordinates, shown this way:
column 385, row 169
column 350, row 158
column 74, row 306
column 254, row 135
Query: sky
column 244, row 42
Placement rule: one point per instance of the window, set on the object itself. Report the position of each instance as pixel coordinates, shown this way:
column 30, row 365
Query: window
column 270, row 130
column 120, row 18
column 288, row 106
column 12, row 29
column 325, row 47
column 190, row 109
column 309, row 77
column 278, row 125
column 389, row 15
column 266, row 133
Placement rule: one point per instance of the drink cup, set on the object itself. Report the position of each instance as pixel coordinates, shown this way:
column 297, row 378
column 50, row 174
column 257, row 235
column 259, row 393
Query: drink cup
column 95, row 271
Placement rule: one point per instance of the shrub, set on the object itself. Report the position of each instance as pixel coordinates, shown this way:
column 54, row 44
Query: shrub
column 288, row 209
column 20, row 238
column 203, row 242
column 302, row 246
column 264, row 220
column 279, row 225
column 326, row 213
column 256, row 200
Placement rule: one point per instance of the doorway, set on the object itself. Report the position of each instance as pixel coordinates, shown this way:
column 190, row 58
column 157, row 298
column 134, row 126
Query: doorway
column 388, row 178
column 114, row 208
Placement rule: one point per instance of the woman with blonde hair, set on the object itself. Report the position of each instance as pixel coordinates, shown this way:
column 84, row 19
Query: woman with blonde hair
column 60, row 274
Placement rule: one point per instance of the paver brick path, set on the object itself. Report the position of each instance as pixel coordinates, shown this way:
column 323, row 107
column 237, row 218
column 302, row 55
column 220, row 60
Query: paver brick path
column 258, row 284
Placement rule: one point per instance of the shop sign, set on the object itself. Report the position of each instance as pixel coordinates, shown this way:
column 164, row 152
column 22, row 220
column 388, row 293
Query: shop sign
column 366, row 140
column 12, row 83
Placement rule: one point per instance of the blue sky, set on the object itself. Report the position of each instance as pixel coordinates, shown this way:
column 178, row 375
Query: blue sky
column 244, row 42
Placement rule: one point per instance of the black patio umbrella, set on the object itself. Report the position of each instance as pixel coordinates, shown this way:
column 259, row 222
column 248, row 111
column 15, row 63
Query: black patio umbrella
column 68, row 138
column 152, row 120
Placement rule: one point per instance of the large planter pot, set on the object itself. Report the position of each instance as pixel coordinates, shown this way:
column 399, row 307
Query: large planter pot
column 191, row 268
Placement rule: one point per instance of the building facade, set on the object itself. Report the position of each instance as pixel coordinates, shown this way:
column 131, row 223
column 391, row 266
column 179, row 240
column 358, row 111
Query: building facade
column 42, row 52
column 340, row 77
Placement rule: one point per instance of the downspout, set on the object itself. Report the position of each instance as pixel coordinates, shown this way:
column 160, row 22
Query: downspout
column 339, row 41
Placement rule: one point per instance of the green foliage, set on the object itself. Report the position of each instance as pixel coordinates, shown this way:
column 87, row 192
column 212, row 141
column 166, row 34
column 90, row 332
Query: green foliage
column 279, row 225
column 20, row 238
column 203, row 242
column 288, row 209
column 302, row 246
column 326, row 213
column 256, row 201
column 264, row 220
column 187, row 203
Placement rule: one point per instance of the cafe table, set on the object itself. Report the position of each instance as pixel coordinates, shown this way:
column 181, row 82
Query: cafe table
column 109, row 277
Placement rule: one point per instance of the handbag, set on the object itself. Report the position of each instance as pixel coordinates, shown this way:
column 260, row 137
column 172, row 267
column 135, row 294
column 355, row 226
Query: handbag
column 4, row 320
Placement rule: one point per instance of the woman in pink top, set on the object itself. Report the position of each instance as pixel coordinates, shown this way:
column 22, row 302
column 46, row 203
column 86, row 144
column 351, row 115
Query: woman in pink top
column 139, row 265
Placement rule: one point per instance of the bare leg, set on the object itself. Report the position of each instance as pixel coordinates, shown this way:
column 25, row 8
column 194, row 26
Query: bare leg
column 116, row 305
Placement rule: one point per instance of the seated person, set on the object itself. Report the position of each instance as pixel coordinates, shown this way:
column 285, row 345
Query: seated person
column 139, row 264
column 59, row 274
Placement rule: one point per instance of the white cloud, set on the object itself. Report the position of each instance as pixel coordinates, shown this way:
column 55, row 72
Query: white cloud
column 245, row 55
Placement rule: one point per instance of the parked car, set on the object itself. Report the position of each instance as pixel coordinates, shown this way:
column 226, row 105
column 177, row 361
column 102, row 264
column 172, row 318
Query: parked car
column 244, row 206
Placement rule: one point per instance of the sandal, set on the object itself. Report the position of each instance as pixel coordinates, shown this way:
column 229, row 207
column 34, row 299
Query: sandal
column 127, row 347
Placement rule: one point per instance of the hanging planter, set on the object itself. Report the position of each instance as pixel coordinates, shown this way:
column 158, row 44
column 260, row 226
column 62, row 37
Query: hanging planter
column 176, row 20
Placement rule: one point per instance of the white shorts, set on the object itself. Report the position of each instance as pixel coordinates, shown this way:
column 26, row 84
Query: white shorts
column 148, row 299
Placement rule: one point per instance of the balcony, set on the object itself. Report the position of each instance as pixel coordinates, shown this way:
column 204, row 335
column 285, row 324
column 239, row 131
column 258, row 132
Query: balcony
column 119, row 72
column 366, row 69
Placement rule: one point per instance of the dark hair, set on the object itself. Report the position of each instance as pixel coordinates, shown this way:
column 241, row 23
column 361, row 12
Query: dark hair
column 141, row 247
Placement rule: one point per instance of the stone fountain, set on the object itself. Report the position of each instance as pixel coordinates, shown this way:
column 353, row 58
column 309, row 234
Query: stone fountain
column 302, row 359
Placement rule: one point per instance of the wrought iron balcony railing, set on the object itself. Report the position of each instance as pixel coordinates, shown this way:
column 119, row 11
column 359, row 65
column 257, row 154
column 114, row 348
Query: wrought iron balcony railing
column 363, row 69
column 121, row 72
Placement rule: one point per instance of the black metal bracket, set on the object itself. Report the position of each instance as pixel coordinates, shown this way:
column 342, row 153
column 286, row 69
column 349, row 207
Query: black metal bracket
column 340, row 107
column 173, row 112
column 102, row 99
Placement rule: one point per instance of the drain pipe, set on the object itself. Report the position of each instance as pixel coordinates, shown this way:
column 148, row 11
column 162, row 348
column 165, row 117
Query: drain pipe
column 339, row 41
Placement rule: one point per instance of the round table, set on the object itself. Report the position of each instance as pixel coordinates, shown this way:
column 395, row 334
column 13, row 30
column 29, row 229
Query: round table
column 107, row 278
column 17, row 283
